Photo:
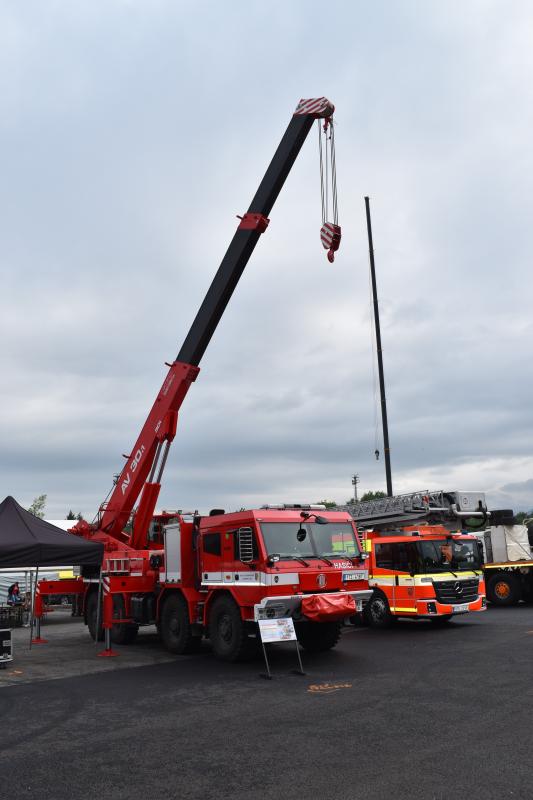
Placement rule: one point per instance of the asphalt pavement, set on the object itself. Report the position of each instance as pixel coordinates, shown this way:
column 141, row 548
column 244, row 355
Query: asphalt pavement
column 412, row 712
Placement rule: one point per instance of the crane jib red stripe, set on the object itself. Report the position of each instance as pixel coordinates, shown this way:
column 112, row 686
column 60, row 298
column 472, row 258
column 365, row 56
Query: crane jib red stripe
column 315, row 105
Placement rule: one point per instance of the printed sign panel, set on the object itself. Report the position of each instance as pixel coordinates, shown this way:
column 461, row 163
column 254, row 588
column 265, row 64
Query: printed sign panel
column 277, row 630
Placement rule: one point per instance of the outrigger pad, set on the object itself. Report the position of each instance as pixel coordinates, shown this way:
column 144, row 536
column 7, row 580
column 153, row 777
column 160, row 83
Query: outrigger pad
column 328, row 607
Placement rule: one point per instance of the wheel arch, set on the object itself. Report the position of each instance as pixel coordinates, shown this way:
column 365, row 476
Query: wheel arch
column 167, row 592
column 213, row 597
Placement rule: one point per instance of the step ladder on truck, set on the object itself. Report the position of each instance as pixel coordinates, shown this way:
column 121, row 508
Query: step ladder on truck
column 421, row 565
column 217, row 575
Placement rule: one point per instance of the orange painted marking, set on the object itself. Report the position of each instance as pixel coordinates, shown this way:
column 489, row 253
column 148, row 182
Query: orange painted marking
column 327, row 688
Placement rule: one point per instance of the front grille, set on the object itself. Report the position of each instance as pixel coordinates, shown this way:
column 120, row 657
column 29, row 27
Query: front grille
column 457, row 591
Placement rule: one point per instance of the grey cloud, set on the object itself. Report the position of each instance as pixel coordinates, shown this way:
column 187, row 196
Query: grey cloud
column 129, row 142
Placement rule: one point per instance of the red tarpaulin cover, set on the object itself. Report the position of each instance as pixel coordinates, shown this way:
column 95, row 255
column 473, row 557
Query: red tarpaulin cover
column 328, row 607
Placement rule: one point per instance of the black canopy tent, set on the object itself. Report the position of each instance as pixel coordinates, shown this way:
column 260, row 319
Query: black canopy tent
column 27, row 541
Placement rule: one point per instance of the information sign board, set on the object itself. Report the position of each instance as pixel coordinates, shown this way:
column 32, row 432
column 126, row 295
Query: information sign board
column 277, row 630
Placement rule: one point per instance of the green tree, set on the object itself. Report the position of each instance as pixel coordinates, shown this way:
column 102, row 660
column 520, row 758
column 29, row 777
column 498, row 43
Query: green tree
column 72, row 515
column 522, row 515
column 372, row 496
column 327, row 503
column 38, row 505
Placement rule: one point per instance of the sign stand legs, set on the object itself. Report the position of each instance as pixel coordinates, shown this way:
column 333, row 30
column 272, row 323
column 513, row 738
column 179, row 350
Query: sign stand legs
column 278, row 630
column 267, row 675
column 299, row 671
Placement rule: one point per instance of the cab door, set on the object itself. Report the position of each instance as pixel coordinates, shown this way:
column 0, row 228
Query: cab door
column 211, row 558
column 228, row 556
column 383, row 574
column 405, row 584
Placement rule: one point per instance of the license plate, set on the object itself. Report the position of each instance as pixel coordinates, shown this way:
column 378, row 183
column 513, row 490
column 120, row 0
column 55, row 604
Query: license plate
column 355, row 575
column 460, row 609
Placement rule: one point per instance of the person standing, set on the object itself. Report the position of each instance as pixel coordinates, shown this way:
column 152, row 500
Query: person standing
column 14, row 598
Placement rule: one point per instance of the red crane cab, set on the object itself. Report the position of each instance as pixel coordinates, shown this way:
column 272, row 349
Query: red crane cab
column 222, row 573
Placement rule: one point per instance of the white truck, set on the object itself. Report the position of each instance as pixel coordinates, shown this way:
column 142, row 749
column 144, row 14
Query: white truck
column 508, row 556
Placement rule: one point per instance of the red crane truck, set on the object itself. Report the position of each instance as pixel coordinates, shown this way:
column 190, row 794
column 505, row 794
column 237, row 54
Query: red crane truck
column 217, row 575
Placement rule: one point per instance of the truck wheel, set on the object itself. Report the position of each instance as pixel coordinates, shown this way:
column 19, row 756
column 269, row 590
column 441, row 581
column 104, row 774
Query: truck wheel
column 503, row 590
column 317, row 637
column 122, row 634
column 92, row 606
column 527, row 595
column 377, row 612
column 175, row 627
column 227, row 631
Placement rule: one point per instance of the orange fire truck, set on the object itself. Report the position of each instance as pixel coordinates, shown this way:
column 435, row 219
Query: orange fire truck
column 420, row 565
column 216, row 575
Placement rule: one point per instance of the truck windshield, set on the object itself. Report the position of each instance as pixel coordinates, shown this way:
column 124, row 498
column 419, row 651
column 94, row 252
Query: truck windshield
column 444, row 555
column 332, row 540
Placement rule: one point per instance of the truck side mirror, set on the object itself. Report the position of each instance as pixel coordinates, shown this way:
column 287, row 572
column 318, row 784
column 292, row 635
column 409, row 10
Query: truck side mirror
column 246, row 545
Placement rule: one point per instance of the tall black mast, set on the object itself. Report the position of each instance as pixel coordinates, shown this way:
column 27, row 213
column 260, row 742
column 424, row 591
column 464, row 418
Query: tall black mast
column 379, row 351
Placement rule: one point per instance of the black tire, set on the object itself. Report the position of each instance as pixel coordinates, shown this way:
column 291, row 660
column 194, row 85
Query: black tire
column 175, row 627
column 527, row 589
column 91, row 612
column 318, row 637
column 504, row 589
column 227, row 631
column 442, row 620
column 123, row 633
column 377, row 612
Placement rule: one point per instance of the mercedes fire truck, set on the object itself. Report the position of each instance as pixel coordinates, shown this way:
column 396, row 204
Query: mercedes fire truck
column 421, row 565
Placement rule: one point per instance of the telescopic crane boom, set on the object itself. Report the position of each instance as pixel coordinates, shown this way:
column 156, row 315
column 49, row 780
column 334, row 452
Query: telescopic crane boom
column 142, row 473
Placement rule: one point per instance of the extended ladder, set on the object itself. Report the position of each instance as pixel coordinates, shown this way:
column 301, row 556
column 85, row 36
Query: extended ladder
column 434, row 505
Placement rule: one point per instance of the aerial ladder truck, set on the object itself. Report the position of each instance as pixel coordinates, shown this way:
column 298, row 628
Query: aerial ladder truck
column 505, row 547
column 217, row 575
column 421, row 564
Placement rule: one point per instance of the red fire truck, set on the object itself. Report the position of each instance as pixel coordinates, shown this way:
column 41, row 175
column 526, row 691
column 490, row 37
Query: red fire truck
column 420, row 565
column 216, row 575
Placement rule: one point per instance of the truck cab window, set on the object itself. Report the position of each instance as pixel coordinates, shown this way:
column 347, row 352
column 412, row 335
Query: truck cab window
column 384, row 555
column 211, row 543
column 405, row 556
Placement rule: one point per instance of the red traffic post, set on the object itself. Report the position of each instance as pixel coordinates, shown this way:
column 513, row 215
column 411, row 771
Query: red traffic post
column 108, row 652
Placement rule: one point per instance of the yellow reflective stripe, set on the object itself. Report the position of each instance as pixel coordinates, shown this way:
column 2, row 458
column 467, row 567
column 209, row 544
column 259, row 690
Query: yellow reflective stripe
column 397, row 608
column 425, row 580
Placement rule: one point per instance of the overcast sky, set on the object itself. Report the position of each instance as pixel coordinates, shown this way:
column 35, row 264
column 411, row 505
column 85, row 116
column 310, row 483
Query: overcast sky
column 132, row 133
